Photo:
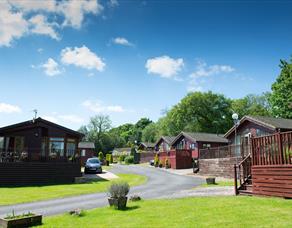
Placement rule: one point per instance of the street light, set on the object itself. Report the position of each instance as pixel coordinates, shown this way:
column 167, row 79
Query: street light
column 235, row 121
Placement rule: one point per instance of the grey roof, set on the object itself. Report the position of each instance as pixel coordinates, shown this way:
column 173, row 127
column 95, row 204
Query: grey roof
column 269, row 122
column 86, row 145
column 148, row 144
column 167, row 139
column 125, row 149
column 202, row 137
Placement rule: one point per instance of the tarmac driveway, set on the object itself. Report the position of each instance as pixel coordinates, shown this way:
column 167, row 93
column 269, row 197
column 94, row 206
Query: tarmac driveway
column 160, row 184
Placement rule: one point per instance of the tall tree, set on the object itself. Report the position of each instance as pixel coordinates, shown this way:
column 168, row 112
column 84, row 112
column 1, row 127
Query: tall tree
column 281, row 96
column 150, row 133
column 254, row 105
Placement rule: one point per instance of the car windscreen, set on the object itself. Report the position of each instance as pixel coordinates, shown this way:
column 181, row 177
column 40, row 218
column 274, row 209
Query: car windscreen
column 94, row 161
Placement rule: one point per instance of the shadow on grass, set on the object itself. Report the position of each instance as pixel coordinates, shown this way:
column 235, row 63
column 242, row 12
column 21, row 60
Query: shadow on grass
column 131, row 208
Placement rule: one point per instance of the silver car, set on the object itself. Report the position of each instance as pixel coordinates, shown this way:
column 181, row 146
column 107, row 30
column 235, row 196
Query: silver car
column 93, row 165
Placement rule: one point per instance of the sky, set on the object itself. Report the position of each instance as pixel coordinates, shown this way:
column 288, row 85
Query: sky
column 74, row 59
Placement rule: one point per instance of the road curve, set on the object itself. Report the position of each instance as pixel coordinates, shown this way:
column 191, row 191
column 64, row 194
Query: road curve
column 159, row 184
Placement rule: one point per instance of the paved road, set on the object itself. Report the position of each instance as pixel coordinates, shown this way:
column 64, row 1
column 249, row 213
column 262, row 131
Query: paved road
column 160, row 183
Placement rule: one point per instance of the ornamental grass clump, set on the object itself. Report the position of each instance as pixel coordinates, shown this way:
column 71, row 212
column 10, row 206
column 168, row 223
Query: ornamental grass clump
column 117, row 193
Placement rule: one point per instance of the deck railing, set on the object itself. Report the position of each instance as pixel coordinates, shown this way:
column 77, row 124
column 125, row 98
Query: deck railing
column 242, row 173
column 225, row 151
column 7, row 156
column 273, row 149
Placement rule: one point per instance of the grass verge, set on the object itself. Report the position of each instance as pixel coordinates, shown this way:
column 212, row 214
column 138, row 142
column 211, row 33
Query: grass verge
column 14, row 195
column 237, row 211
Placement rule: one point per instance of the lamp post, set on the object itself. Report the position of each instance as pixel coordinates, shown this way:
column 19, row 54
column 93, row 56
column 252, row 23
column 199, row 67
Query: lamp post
column 235, row 121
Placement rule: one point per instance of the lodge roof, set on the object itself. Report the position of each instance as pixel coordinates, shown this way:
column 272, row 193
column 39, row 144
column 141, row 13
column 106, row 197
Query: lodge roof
column 265, row 121
column 167, row 139
column 38, row 122
column 201, row 137
column 148, row 144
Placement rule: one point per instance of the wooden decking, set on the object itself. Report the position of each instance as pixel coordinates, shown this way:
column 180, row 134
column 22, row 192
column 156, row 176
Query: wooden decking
column 270, row 171
column 38, row 173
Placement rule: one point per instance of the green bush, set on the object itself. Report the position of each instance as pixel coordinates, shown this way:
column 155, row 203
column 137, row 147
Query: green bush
column 167, row 164
column 109, row 158
column 129, row 159
column 118, row 189
column 122, row 158
column 160, row 164
column 100, row 156
column 156, row 160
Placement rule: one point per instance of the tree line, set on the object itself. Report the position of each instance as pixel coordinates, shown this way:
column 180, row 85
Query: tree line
column 196, row 112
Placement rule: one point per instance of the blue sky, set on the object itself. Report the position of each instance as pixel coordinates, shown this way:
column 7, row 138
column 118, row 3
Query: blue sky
column 132, row 59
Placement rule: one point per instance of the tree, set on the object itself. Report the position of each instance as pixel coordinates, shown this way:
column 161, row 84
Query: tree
column 199, row 112
column 254, row 105
column 83, row 129
column 281, row 96
column 97, row 128
column 150, row 133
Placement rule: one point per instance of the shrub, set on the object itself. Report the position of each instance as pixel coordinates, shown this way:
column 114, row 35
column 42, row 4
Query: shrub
column 109, row 158
column 156, row 160
column 118, row 189
column 160, row 164
column 122, row 158
column 167, row 164
column 129, row 159
column 133, row 150
column 100, row 156
column 77, row 212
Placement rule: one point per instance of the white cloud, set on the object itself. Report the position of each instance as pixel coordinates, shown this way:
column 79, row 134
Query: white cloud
column 164, row 66
column 98, row 107
column 82, row 57
column 203, row 70
column 113, row 3
column 51, row 67
column 21, row 17
column 40, row 26
column 197, row 78
column 122, row 41
column 12, row 24
column 56, row 118
column 9, row 108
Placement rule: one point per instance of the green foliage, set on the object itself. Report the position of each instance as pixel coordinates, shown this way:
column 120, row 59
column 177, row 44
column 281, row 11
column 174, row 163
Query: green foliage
column 109, row 158
column 100, row 156
column 133, row 150
column 150, row 133
column 199, row 112
column 281, row 96
column 122, row 158
column 118, row 189
column 129, row 159
column 156, row 160
column 254, row 105
column 160, row 164
column 167, row 164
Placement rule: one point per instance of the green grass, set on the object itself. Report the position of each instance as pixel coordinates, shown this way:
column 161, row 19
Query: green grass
column 188, row 212
column 13, row 195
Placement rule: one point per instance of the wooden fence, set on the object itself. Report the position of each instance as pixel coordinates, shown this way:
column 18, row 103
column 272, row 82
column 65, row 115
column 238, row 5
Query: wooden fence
column 273, row 149
column 225, row 151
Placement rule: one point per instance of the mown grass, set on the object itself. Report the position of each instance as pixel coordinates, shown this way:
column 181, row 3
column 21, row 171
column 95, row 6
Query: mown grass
column 14, row 195
column 230, row 211
column 219, row 184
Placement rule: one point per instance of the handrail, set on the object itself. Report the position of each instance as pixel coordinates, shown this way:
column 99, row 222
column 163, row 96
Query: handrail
column 242, row 172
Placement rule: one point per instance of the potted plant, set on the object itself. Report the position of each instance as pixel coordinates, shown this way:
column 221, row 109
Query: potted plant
column 118, row 192
column 210, row 180
column 156, row 160
column 24, row 220
column 167, row 165
column 160, row 164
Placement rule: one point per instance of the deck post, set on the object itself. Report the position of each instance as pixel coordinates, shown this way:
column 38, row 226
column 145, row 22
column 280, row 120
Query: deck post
column 235, row 180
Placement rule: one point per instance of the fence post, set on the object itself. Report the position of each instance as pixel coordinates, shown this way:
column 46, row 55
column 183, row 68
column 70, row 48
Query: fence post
column 281, row 148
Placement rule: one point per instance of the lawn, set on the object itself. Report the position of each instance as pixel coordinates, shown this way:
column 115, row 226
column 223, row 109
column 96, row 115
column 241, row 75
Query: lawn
column 13, row 195
column 230, row 211
column 222, row 183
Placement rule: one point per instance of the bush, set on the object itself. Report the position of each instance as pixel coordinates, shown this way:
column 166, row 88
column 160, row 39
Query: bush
column 100, row 156
column 122, row 158
column 135, row 198
column 118, row 189
column 109, row 158
column 133, row 150
column 156, row 160
column 167, row 164
column 129, row 159
column 160, row 164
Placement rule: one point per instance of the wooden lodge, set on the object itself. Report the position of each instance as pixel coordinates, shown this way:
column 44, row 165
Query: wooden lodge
column 37, row 152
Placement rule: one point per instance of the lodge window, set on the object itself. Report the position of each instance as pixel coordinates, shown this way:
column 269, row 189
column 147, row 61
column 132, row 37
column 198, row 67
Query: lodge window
column 206, row 145
column 1, row 143
column 70, row 147
column 192, row 146
column 56, row 146
column 83, row 153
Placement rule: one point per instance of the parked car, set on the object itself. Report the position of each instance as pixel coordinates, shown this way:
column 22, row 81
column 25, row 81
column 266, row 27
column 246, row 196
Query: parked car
column 93, row 165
